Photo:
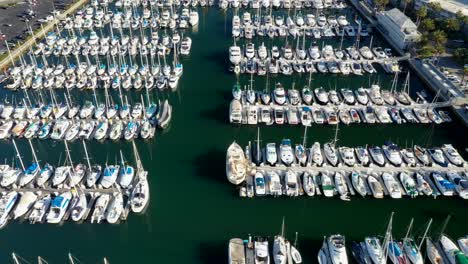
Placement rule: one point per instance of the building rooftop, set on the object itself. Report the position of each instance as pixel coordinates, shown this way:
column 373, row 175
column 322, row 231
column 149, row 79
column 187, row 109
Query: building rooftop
column 400, row 19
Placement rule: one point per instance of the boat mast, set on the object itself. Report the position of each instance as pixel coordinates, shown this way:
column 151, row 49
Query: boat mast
column 444, row 226
column 87, row 156
column 388, row 234
column 68, row 154
column 105, row 261
column 15, row 259
column 336, row 134
column 282, row 228
column 18, row 154
column 409, row 229
column 305, row 136
column 40, row 260
column 425, row 233
column 70, row 257
column 258, row 142
column 34, row 154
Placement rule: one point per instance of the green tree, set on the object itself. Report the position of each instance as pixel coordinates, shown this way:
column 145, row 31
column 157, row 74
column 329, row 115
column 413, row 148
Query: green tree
column 420, row 14
column 427, row 51
column 461, row 55
column 405, row 4
column 435, row 7
column 452, row 24
column 439, row 37
column 462, row 18
column 427, row 24
column 381, row 4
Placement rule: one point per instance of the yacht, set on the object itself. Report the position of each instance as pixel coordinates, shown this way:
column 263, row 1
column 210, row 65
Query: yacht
column 361, row 96
column 109, row 176
column 140, row 196
column 316, row 154
column 337, row 249
column 78, row 209
column 451, row 250
column 279, row 94
column 25, row 203
column 347, row 156
column 100, row 208
column 375, row 251
column 235, row 112
column 322, row 96
column 115, row 209
column 39, row 209
column 412, row 251
column 236, row 164
column 7, row 202
column 58, row 207
column 395, row 253
column 362, row 155
column 433, row 253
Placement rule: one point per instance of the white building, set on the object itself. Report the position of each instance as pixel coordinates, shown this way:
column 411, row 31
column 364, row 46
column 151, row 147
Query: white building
column 399, row 29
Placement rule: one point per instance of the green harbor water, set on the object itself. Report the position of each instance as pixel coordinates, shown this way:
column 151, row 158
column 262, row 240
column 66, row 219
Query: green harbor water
column 194, row 210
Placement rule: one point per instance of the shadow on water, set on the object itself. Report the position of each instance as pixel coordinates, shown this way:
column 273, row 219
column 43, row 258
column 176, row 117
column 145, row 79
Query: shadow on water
column 219, row 58
column 213, row 253
column 220, row 114
column 211, row 165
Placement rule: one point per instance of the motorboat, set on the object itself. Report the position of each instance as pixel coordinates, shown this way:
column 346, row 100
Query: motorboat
column 100, row 207
column 359, row 183
column 461, row 184
column 279, row 94
column 93, row 175
column 301, row 155
column 236, row 251
column 422, row 185
column 280, row 252
column 308, row 184
column 40, row 209
column 452, row 154
column 438, row 156
column 126, row 176
column 433, row 253
column 341, row 186
column 392, row 185
column 29, row 174
column 337, row 249
column 408, row 157
column 362, row 155
column 7, row 202
column 261, row 252
column 327, row 185
column 330, row 154
column 286, row 153
column 408, row 184
column 259, row 182
column 291, row 183
column 61, row 174
column 347, row 156
column 375, row 187
column 422, row 155
column 236, row 164
column 10, row 176
column 316, row 154
column 445, row 187
column 463, row 243
column 392, row 152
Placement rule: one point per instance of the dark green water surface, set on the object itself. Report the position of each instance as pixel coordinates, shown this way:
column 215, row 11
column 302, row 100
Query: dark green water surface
column 194, row 210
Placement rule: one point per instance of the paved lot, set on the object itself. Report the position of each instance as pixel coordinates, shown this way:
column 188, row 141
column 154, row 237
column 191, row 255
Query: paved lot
column 14, row 16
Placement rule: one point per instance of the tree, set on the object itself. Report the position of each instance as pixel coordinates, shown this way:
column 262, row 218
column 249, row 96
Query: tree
column 421, row 13
column 452, row 24
column 435, row 7
column 427, row 51
column 461, row 56
column 381, row 4
column 439, row 37
column 462, row 18
column 427, row 24
column 406, row 2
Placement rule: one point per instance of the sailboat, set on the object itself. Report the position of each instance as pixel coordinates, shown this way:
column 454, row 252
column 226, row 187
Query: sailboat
column 279, row 248
column 411, row 249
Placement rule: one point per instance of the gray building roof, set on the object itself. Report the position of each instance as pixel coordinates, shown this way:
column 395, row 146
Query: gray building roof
column 400, row 19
